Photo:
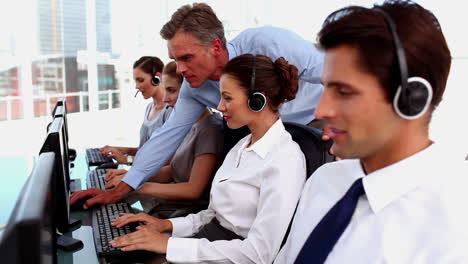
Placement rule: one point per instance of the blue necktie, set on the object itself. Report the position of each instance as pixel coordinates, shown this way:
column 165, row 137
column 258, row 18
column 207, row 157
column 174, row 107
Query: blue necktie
column 329, row 229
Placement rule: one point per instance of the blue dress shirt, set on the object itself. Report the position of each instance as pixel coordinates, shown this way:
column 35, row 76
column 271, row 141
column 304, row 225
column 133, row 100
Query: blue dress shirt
column 270, row 41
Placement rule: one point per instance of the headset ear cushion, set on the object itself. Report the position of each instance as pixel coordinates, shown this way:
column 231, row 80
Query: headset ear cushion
column 155, row 80
column 257, row 102
column 418, row 99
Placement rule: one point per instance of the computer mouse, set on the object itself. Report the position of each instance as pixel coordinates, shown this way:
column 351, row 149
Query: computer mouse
column 109, row 165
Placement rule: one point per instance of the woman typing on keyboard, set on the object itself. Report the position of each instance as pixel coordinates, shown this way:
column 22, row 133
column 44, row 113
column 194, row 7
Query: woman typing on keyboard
column 255, row 191
column 147, row 73
column 166, row 98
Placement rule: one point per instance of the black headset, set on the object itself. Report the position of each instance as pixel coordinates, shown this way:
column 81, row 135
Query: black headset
column 155, row 79
column 414, row 95
column 257, row 100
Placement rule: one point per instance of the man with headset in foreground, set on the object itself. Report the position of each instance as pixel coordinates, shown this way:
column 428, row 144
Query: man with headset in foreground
column 398, row 197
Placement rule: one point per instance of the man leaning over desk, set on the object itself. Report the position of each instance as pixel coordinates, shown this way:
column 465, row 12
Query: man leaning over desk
column 196, row 41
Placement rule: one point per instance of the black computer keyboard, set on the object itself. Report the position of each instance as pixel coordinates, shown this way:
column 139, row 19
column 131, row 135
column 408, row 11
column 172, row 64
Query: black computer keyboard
column 96, row 179
column 103, row 232
column 95, row 158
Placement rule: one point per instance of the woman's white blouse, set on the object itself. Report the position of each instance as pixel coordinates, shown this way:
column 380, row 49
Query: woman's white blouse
column 254, row 194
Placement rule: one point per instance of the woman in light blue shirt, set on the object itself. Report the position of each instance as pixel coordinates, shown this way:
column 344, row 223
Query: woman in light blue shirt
column 147, row 75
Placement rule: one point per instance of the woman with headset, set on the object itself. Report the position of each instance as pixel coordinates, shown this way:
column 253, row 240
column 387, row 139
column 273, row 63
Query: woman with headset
column 256, row 189
column 147, row 75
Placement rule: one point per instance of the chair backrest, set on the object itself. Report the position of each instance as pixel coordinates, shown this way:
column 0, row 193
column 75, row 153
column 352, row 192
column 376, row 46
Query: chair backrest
column 310, row 141
column 315, row 151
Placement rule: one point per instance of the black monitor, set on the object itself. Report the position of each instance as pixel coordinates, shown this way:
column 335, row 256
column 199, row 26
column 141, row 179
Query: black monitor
column 29, row 236
column 61, row 111
column 55, row 142
column 66, row 158
column 60, row 102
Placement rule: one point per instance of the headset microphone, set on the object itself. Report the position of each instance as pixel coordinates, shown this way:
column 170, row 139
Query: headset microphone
column 136, row 93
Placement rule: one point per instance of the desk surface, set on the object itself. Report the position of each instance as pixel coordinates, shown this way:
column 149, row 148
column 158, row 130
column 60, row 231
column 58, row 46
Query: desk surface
column 85, row 232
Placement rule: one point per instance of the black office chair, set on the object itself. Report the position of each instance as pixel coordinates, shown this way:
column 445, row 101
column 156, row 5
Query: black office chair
column 310, row 141
column 316, row 151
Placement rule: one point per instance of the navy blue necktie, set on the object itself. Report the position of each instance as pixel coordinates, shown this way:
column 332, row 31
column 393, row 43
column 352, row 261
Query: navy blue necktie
column 329, row 229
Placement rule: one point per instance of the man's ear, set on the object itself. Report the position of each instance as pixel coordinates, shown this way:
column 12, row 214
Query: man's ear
column 216, row 46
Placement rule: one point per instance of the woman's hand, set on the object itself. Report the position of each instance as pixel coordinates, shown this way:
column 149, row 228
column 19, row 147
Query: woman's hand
column 114, row 182
column 117, row 155
column 153, row 223
column 142, row 239
column 106, row 149
column 111, row 173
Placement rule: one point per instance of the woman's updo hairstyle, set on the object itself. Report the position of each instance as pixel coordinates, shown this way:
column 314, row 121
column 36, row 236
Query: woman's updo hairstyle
column 149, row 64
column 278, row 80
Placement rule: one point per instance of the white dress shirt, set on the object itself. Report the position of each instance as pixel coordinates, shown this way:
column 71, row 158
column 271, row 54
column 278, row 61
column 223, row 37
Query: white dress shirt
column 254, row 194
column 414, row 211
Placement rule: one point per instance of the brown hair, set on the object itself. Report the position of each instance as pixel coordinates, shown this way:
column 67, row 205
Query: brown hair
column 426, row 50
column 171, row 70
column 148, row 64
column 278, row 80
column 198, row 19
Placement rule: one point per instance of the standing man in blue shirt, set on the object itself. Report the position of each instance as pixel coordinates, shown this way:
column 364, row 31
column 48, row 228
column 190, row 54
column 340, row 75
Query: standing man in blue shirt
column 196, row 41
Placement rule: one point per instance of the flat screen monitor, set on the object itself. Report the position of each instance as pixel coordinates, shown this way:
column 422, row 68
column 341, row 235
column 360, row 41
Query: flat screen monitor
column 55, row 142
column 60, row 109
column 30, row 236
column 60, row 102
column 60, row 112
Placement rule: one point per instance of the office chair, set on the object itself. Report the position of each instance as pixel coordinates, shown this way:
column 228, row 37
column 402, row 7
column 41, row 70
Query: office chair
column 315, row 152
column 310, row 141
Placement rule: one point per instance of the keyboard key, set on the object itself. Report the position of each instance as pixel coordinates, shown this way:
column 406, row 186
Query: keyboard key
column 96, row 179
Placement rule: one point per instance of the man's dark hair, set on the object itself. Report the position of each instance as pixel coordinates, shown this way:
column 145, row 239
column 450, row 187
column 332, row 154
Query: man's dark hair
column 427, row 53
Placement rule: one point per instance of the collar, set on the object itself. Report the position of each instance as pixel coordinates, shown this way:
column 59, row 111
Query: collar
column 265, row 144
column 392, row 182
